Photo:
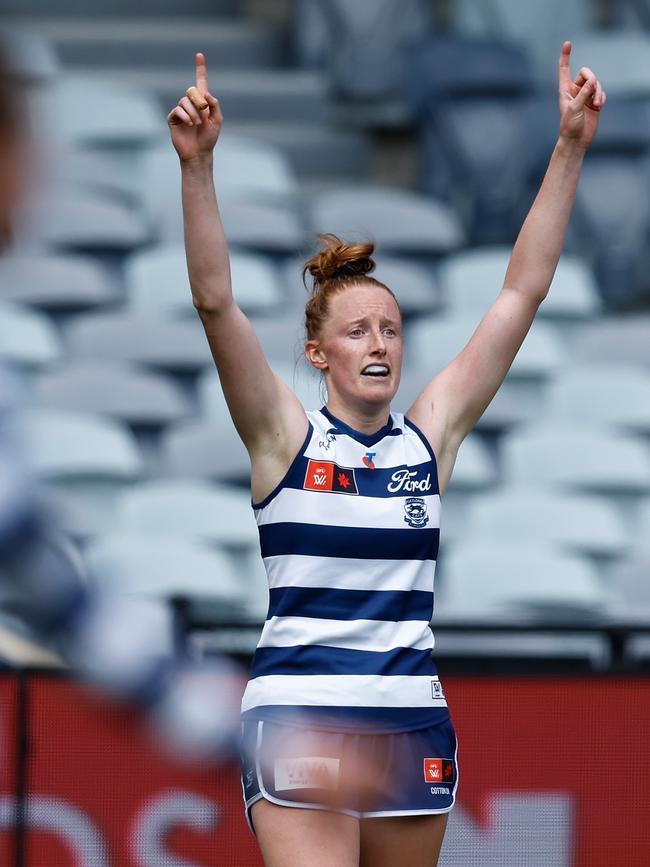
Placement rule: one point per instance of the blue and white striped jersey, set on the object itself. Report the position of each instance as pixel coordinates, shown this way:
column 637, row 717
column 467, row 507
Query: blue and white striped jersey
column 349, row 540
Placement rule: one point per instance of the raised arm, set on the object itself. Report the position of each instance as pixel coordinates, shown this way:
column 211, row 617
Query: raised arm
column 266, row 413
column 452, row 403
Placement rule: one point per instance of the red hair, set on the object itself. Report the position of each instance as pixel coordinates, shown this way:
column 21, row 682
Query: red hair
column 336, row 267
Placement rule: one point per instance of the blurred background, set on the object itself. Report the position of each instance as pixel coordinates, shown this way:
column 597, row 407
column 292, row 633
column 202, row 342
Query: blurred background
column 426, row 126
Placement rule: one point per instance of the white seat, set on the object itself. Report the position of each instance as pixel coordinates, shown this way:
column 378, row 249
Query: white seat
column 63, row 443
column 157, row 282
column 518, row 581
column 122, row 391
column 205, row 450
column 474, row 471
column 300, row 378
column 621, row 58
column 398, row 220
column 578, row 522
column 78, row 219
column 155, row 565
column 572, row 455
column 143, row 338
column 189, row 509
column 433, row 342
column 624, row 339
column 615, row 394
column 28, row 338
column 471, row 282
column 55, row 282
column 414, row 284
column 107, row 107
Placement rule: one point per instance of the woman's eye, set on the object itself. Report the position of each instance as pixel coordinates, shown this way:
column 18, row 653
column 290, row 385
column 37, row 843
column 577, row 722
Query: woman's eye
column 390, row 332
column 356, row 332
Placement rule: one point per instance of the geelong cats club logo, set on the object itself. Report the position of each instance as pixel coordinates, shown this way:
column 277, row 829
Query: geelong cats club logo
column 328, row 476
column 416, row 512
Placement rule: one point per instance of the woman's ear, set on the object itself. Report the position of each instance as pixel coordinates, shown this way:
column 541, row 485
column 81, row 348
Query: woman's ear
column 315, row 355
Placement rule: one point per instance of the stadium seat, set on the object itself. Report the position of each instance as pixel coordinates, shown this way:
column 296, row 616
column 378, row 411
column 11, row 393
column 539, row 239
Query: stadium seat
column 577, row 456
column 209, row 450
column 622, row 59
column 471, row 281
column 157, row 282
column 189, row 509
column 30, row 55
column 282, row 336
column 103, row 41
column 136, row 397
column 624, row 339
column 612, row 218
column 475, row 470
column 459, row 88
column 520, row 581
column 107, row 106
column 362, row 44
column 28, row 338
column 414, row 284
column 245, row 168
column 435, row 342
column 397, row 220
column 80, row 220
column 314, row 149
column 69, row 9
column 160, row 566
column 177, row 346
column 579, row 523
column 540, row 27
column 56, row 283
column 82, row 457
column 629, row 580
column 614, row 394
column 298, row 376
column 75, row 444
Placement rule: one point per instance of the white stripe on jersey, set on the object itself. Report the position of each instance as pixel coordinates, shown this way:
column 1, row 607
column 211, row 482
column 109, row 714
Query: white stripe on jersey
column 378, row 635
column 337, row 510
column 341, row 573
column 342, row 690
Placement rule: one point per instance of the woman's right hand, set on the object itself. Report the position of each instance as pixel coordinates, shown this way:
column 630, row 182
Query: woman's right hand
column 195, row 132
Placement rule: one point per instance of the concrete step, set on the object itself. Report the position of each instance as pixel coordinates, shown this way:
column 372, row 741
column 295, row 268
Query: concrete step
column 315, row 149
column 142, row 43
column 122, row 8
column 246, row 95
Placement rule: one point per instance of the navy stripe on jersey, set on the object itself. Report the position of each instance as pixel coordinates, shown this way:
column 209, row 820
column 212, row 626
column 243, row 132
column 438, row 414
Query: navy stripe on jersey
column 353, row 719
column 316, row 659
column 332, row 603
column 352, row 542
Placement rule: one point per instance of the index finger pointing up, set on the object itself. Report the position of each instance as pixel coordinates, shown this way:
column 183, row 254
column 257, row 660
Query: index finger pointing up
column 565, row 71
column 201, row 74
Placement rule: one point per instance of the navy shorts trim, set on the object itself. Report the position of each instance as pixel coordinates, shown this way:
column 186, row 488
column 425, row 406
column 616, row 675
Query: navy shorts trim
column 408, row 773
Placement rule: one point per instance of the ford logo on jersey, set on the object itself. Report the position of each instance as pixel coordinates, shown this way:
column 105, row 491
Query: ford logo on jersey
column 406, row 480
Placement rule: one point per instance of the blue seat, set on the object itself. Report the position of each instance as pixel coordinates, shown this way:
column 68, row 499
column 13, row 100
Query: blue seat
column 361, row 43
column 612, row 217
column 471, row 98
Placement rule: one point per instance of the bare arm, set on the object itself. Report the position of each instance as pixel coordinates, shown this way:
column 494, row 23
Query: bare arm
column 452, row 403
column 266, row 413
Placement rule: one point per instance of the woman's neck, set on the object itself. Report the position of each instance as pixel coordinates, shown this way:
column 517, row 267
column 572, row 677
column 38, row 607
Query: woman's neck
column 365, row 420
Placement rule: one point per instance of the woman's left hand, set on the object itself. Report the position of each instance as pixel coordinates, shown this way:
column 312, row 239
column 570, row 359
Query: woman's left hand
column 581, row 101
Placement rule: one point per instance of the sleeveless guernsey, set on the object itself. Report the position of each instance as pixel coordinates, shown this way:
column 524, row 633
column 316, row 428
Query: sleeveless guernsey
column 349, row 540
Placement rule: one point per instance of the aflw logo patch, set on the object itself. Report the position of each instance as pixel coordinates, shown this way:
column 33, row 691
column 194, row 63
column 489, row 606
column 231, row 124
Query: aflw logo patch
column 438, row 771
column 328, row 476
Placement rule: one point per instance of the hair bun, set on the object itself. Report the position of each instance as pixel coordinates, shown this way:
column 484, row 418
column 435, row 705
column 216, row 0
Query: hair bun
column 338, row 259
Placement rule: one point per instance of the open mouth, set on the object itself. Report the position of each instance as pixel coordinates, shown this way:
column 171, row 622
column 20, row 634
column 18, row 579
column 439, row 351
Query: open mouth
column 378, row 371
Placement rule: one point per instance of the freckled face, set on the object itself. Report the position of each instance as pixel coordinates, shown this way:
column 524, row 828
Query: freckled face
column 360, row 346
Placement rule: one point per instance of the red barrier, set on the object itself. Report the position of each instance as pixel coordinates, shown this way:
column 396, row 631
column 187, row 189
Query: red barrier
column 8, row 707
column 101, row 792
